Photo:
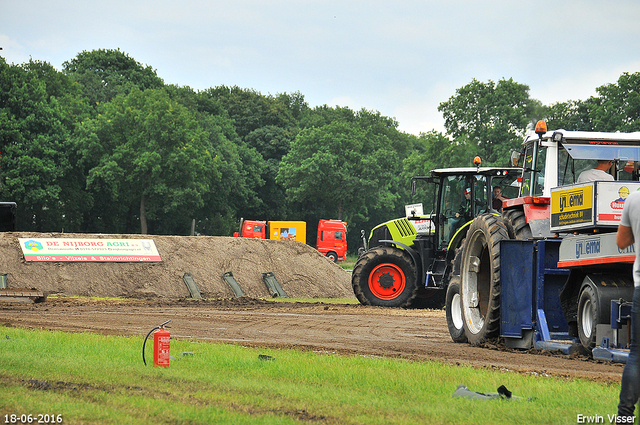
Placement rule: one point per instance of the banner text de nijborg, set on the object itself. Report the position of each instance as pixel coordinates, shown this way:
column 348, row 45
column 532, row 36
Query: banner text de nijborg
column 87, row 243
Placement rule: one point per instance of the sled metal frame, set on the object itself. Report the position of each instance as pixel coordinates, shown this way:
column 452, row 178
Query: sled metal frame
column 531, row 314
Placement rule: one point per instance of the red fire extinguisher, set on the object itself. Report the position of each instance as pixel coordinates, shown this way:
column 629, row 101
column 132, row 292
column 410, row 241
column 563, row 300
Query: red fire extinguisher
column 161, row 346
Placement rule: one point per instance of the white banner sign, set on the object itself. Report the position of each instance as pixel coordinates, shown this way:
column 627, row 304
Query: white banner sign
column 593, row 249
column 97, row 250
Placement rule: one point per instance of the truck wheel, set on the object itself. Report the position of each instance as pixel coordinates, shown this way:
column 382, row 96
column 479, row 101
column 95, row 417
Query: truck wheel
column 587, row 317
column 517, row 225
column 480, row 274
column 386, row 277
column 332, row 256
column 454, row 311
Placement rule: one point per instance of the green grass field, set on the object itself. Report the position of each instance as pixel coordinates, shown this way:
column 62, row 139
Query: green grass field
column 89, row 378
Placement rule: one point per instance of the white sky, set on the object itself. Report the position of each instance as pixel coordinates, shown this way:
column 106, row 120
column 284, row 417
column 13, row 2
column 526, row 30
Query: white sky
column 402, row 58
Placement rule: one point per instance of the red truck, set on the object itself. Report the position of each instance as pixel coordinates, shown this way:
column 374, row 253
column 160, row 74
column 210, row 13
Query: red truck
column 252, row 229
column 331, row 241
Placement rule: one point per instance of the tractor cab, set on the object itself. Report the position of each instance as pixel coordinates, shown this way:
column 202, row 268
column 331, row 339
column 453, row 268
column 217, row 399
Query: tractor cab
column 556, row 158
column 459, row 195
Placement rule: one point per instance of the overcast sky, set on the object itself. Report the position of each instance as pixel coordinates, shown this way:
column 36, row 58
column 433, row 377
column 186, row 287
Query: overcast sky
column 402, row 58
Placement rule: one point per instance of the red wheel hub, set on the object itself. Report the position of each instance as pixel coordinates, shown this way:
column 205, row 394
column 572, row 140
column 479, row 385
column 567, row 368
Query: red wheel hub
column 387, row 281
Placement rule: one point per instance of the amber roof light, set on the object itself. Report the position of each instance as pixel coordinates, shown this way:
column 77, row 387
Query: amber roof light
column 541, row 127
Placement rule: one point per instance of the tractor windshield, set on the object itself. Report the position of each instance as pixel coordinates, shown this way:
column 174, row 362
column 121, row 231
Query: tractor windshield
column 463, row 197
column 574, row 159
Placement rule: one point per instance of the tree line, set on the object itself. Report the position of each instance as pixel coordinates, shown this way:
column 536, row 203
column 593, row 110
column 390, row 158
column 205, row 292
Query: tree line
column 106, row 146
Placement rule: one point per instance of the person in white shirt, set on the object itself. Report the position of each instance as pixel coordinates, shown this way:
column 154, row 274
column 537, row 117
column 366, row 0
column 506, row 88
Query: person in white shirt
column 601, row 172
column 629, row 235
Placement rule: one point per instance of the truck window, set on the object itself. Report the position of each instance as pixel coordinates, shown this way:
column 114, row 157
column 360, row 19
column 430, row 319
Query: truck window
column 337, row 235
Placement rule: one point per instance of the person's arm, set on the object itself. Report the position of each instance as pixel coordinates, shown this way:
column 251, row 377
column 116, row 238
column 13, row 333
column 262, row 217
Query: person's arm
column 624, row 238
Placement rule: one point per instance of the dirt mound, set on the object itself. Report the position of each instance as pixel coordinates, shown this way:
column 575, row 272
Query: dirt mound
column 301, row 270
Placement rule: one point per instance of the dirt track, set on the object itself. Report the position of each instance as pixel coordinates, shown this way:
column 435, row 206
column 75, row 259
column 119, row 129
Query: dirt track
column 346, row 329
column 156, row 293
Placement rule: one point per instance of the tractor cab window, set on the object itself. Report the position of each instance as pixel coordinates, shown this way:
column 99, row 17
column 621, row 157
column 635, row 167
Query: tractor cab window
column 574, row 159
column 455, row 207
column 569, row 168
column 508, row 185
column 338, row 235
column 538, row 185
column 627, row 170
column 480, row 200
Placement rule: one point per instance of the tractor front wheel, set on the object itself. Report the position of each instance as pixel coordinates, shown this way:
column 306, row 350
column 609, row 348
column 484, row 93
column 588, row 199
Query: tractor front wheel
column 386, row 277
column 455, row 321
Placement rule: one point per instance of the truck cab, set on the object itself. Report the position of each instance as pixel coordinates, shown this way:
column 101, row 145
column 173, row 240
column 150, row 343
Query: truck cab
column 332, row 239
column 253, row 229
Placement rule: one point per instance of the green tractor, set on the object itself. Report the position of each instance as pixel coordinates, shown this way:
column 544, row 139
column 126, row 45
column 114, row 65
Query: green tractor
column 410, row 261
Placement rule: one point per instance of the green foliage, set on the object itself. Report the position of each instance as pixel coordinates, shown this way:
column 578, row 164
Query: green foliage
column 105, row 145
column 618, row 107
column 490, row 117
column 235, row 190
column 38, row 108
column 251, row 110
column 571, row 115
column 149, row 150
column 106, row 73
column 272, row 143
column 436, row 151
column 340, row 166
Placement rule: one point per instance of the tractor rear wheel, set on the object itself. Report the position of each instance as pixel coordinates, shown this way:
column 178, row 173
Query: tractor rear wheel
column 386, row 277
column 480, row 278
column 517, row 225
